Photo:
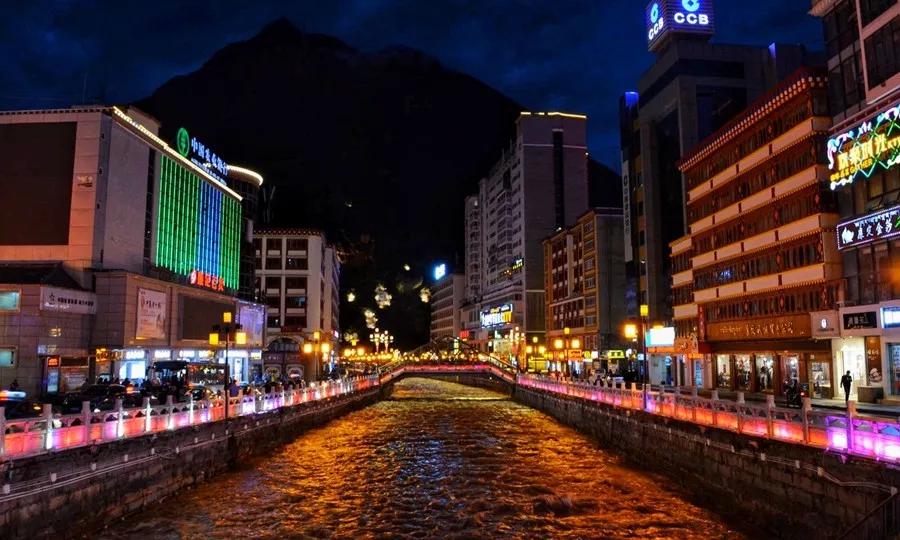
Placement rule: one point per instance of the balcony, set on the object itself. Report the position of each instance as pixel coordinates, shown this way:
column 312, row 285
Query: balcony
column 814, row 273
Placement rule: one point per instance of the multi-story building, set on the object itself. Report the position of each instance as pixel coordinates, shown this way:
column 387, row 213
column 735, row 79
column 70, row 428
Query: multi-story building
column 149, row 235
column 247, row 184
column 692, row 89
column 584, row 279
column 543, row 171
column 298, row 274
column 761, row 256
column 447, row 296
column 862, row 40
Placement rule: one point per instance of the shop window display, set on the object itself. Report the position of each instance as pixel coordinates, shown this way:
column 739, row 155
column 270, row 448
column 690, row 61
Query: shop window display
column 894, row 356
column 765, row 372
column 723, row 371
column 743, row 372
column 820, row 379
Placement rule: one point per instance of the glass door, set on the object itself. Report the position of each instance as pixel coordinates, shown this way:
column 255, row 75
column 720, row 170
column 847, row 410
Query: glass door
column 820, row 380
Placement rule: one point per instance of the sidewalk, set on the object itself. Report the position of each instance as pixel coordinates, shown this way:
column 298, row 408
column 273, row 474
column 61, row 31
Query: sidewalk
column 873, row 409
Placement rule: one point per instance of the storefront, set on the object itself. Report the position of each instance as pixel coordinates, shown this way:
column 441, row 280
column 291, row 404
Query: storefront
column 660, row 343
column 766, row 355
column 859, row 351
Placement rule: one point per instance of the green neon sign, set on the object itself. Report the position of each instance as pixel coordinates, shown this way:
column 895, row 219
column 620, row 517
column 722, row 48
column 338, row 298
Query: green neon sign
column 183, row 142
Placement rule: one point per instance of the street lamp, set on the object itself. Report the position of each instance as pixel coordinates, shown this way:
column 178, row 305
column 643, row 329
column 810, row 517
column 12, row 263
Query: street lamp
column 226, row 329
column 314, row 348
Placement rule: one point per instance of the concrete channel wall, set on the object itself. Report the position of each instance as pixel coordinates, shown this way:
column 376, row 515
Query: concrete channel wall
column 787, row 490
column 75, row 492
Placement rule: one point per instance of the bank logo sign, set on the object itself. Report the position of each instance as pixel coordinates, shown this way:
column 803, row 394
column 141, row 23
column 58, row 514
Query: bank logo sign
column 183, row 142
column 678, row 17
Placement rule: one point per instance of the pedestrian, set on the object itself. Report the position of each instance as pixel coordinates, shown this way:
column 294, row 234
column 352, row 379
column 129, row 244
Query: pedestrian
column 846, row 381
column 15, row 385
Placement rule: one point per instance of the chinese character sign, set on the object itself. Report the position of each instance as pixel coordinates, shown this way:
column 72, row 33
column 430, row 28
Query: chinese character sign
column 877, row 226
column 872, row 146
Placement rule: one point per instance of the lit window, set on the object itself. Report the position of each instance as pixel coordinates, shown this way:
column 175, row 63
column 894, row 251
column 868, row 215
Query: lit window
column 9, row 300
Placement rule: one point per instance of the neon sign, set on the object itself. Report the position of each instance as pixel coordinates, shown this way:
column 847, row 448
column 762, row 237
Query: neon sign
column 680, row 16
column 440, row 271
column 878, row 226
column 498, row 316
column 207, row 280
column 200, row 155
column 865, row 150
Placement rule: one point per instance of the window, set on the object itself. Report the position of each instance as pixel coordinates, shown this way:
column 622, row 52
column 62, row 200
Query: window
column 589, row 245
column 295, row 282
column 7, row 358
column 273, row 282
column 9, row 300
column 590, row 320
column 274, row 322
column 273, row 244
column 589, row 227
column 273, row 263
column 883, row 53
column 590, row 283
column 589, row 263
column 273, row 301
column 297, row 244
column 590, row 301
column 295, row 302
column 295, row 322
column 869, row 10
column 296, row 263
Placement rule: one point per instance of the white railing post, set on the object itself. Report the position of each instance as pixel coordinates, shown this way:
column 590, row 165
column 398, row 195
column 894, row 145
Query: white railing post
column 169, row 406
column 2, row 430
column 851, row 413
column 120, row 422
column 148, row 422
column 190, row 408
column 714, row 399
column 86, row 420
column 770, row 404
column 207, row 407
column 807, row 406
column 48, row 426
column 740, row 398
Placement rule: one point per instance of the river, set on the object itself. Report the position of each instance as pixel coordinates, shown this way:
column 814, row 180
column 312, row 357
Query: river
column 439, row 460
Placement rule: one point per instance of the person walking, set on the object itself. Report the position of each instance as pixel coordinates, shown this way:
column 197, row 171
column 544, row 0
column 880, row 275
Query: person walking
column 15, row 385
column 846, row 381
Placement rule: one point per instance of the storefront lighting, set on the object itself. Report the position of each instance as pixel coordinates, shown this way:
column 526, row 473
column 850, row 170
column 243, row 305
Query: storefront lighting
column 542, row 350
column 576, row 343
column 240, row 338
column 307, row 348
column 246, row 172
column 360, row 351
column 226, row 317
column 529, row 349
column 214, row 339
column 630, row 331
column 326, row 348
column 317, row 335
column 558, row 344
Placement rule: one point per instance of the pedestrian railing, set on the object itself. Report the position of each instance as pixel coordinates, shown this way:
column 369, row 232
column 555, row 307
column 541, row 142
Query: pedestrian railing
column 424, row 367
column 20, row 438
column 877, row 438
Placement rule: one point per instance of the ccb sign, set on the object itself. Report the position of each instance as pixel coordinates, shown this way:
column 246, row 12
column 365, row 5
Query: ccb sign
column 678, row 16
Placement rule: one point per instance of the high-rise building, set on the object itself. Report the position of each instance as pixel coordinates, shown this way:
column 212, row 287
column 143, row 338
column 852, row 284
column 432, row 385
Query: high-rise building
column 693, row 89
column 584, row 276
column 862, row 41
column 447, row 295
column 149, row 234
column 298, row 273
column 247, row 184
column 538, row 186
column 761, row 257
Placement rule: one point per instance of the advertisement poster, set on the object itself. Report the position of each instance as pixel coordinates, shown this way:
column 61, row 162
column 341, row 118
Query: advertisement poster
column 252, row 319
column 72, row 301
column 151, row 315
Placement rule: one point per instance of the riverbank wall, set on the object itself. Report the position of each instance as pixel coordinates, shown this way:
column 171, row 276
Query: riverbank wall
column 75, row 492
column 787, row 490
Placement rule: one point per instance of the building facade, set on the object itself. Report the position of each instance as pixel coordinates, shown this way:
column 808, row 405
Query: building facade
column 152, row 231
column 447, row 296
column 692, row 90
column 298, row 273
column 543, row 172
column 862, row 40
column 584, row 280
column 763, row 256
column 247, row 184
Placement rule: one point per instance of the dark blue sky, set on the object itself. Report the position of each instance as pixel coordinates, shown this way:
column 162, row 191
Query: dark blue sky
column 573, row 55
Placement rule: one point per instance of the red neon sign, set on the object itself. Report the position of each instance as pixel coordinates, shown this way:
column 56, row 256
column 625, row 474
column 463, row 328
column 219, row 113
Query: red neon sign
column 207, row 280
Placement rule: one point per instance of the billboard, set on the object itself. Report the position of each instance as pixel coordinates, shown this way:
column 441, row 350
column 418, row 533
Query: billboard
column 665, row 17
column 498, row 316
column 151, row 314
column 877, row 226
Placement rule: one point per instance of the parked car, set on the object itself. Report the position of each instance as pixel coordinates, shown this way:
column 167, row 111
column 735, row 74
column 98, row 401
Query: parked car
column 95, row 394
column 17, row 406
column 130, row 400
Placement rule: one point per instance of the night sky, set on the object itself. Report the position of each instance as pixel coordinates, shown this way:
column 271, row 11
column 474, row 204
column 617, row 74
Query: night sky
column 574, row 55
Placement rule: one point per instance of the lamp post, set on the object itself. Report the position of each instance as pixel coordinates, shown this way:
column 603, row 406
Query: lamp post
column 566, row 344
column 310, row 348
column 226, row 329
column 645, row 313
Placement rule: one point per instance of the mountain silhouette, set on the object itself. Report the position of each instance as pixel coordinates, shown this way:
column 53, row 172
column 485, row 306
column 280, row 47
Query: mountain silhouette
column 376, row 149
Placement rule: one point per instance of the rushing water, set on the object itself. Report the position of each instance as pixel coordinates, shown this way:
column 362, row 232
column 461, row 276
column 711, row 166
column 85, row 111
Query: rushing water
column 438, row 461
